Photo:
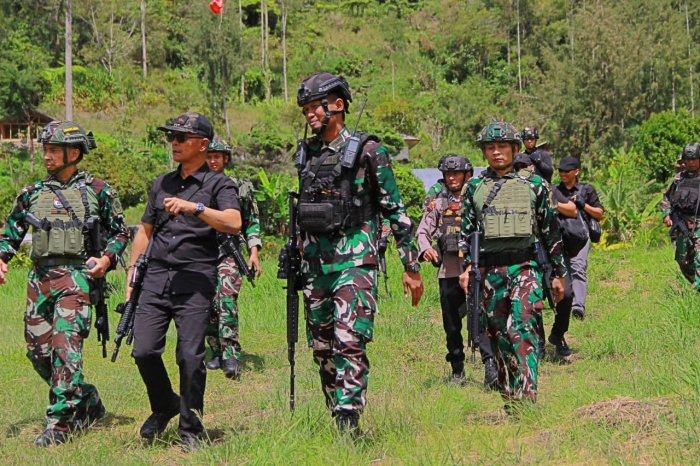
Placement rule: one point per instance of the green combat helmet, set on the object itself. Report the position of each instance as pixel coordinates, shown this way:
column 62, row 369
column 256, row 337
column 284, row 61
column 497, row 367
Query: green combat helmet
column 67, row 134
column 455, row 163
column 691, row 151
column 498, row 131
column 219, row 145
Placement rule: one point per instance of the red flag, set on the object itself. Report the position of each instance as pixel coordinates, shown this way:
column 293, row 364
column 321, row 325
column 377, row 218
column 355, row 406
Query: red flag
column 216, row 6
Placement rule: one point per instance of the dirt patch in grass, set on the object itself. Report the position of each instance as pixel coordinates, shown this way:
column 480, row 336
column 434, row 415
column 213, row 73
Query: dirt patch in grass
column 642, row 414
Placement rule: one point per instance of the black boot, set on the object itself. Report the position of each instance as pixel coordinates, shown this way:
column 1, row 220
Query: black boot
column 458, row 375
column 232, row 368
column 490, row 375
column 158, row 421
column 51, row 437
column 85, row 418
column 215, row 363
column 563, row 349
column 348, row 421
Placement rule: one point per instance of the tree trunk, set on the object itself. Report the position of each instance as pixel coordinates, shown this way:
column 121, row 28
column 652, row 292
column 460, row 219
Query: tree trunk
column 69, row 60
column 284, row 49
column 268, row 78
column 225, row 109
column 30, row 136
column 144, row 61
column 690, row 67
column 520, row 75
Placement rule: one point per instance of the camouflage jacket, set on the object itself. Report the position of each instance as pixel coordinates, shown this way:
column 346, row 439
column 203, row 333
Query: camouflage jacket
column 432, row 193
column 546, row 222
column 357, row 246
column 666, row 206
column 111, row 215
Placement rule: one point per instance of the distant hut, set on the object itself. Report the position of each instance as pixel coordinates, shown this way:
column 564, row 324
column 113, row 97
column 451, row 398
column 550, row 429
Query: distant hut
column 23, row 128
column 408, row 143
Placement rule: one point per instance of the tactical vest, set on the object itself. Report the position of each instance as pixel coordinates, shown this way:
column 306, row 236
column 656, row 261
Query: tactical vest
column 685, row 199
column 328, row 201
column 506, row 208
column 450, row 225
column 65, row 237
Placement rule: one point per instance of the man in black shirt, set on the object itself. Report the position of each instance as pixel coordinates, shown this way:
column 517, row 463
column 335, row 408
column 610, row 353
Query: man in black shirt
column 185, row 209
column 542, row 161
column 586, row 199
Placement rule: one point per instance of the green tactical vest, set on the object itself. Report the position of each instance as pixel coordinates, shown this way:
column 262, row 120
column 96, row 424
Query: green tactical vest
column 509, row 220
column 65, row 237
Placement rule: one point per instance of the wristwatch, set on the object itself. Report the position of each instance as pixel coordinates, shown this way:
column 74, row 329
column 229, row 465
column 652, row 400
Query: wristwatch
column 413, row 267
column 199, row 209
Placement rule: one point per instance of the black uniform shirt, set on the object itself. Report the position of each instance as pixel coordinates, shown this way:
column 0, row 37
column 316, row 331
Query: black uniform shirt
column 185, row 250
column 581, row 189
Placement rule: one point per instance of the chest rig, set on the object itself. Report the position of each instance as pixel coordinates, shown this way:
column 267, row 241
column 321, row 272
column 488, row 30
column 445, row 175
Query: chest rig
column 64, row 215
column 450, row 222
column 328, row 200
column 685, row 199
column 507, row 208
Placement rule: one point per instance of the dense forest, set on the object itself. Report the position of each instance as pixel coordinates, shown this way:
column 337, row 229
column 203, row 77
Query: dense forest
column 603, row 80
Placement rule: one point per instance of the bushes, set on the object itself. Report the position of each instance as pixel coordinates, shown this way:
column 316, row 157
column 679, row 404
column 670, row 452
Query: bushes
column 412, row 192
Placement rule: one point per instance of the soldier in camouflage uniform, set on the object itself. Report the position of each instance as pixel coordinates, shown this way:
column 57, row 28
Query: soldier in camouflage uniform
column 680, row 211
column 222, row 333
column 344, row 185
column 59, row 311
column 510, row 210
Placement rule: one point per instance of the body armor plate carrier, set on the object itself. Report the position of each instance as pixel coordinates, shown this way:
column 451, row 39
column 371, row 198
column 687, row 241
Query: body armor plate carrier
column 685, row 199
column 508, row 209
column 327, row 203
column 450, row 226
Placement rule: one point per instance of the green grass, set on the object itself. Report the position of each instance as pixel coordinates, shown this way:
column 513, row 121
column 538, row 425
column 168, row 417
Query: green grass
column 640, row 340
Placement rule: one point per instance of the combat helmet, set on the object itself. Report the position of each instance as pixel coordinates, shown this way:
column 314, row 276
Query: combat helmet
column 67, row 134
column 691, row 151
column 455, row 163
column 317, row 87
column 529, row 132
column 498, row 131
column 219, row 145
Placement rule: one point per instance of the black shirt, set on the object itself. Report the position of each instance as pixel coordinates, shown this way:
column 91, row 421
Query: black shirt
column 544, row 167
column 185, row 249
column 586, row 191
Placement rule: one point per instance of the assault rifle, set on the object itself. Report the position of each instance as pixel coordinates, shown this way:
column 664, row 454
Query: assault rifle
column 680, row 226
column 231, row 246
column 474, row 298
column 125, row 329
column 93, row 235
column 542, row 258
column 289, row 268
column 381, row 252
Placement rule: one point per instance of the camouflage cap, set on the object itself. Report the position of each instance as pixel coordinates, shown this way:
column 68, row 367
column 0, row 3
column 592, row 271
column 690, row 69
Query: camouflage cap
column 499, row 131
column 691, row 151
column 67, row 133
column 191, row 122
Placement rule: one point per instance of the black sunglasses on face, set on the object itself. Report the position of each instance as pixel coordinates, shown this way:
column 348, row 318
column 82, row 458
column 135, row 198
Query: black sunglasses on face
column 181, row 137
column 565, row 171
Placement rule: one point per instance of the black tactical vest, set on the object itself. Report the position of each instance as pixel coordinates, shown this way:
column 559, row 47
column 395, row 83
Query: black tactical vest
column 450, row 225
column 328, row 200
column 685, row 199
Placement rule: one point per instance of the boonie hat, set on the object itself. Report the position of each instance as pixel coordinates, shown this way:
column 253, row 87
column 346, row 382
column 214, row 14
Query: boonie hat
column 569, row 163
column 191, row 122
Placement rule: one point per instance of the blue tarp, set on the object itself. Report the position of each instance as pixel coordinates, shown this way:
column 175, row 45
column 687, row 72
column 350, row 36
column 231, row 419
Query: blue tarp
column 430, row 176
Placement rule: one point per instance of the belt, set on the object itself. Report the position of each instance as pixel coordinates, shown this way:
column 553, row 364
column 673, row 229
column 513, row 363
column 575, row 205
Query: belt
column 45, row 262
column 498, row 259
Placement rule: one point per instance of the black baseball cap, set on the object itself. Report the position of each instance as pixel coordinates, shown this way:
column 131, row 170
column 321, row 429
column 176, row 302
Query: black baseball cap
column 523, row 158
column 569, row 163
column 191, row 122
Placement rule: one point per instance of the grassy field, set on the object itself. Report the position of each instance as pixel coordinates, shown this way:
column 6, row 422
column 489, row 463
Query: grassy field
column 628, row 395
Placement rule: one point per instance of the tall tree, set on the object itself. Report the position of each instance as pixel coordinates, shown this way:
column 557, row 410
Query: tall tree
column 69, row 59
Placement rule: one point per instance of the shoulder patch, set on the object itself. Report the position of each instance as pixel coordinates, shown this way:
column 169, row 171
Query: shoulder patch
column 430, row 206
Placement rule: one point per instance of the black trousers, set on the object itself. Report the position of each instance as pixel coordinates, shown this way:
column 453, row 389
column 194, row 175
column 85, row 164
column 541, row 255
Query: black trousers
column 191, row 315
column 561, row 320
column 452, row 298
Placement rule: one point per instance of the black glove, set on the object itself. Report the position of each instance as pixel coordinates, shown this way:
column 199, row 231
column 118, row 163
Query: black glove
column 381, row 246
column 580, row 203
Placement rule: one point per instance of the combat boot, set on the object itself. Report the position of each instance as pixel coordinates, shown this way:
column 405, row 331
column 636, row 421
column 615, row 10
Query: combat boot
column 158, row 421
column 458, row 376
column 490, row 375
column 348, row 421
column 541, row 353
column 85, row 418
column 214, row 364
column 563, row 349
column 51, row 437
column 232, row 368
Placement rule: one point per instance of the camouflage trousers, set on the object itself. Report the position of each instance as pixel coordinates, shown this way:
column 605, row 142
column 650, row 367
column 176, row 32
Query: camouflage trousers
column 56, row 323
column 513, row 301
column 222, row 331
column 339, row 310
column 688, row 259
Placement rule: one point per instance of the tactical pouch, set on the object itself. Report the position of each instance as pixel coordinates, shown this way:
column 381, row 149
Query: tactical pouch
column 40, row 244
column 507, row 223
column 74, row 240
column 321, row 217
column 57, row 241
column 448, row 243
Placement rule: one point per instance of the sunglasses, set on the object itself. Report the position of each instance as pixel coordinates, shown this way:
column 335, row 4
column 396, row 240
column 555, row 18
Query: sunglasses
column 565, row 171
column 181, row 137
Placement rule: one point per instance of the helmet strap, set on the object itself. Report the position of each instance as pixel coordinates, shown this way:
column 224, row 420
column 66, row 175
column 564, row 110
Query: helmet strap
column 66, row 163
column 326, row 118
